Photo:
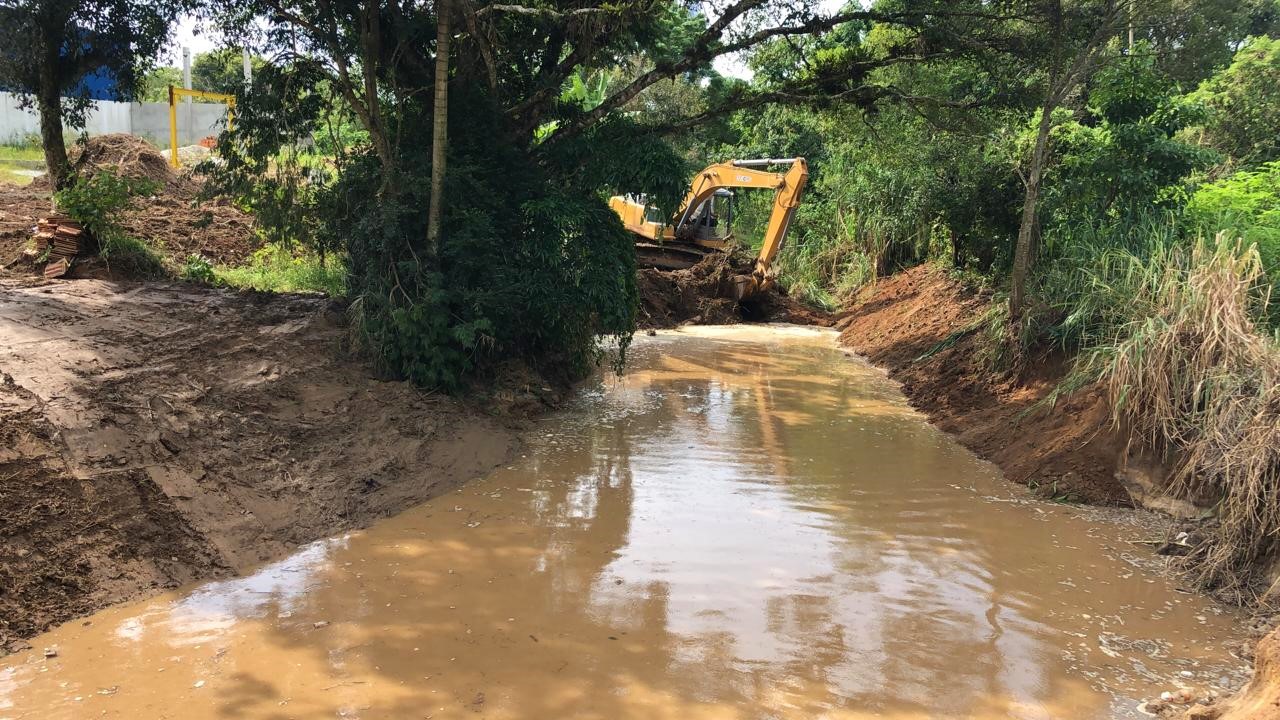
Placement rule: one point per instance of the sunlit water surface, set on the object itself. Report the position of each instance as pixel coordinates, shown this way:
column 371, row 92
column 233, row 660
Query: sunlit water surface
column 749, row 524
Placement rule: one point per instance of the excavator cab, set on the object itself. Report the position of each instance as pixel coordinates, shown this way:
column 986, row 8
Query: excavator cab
column 713, row 220
column 703, row 223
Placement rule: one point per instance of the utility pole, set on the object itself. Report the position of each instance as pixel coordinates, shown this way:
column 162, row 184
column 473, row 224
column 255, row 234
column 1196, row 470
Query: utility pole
column 1131, row 27
column 186, row 70
column 248, row 69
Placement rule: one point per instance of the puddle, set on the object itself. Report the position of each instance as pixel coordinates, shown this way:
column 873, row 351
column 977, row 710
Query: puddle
column 750, row 524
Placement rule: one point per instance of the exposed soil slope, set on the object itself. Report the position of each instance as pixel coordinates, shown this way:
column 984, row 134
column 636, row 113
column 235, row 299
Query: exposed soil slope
column 155, row 434
column 1260, row 699
column 1066, row 451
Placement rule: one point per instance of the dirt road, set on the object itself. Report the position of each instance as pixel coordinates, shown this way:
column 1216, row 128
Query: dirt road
column 155, row 434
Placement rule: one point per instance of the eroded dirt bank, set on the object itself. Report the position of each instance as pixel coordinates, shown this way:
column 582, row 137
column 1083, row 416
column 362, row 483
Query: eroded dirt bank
column 152, row 434
column 920, row 326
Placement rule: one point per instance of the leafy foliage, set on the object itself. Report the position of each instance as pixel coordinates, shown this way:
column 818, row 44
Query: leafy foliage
column 1247, row 205
column 1243, row 105
column 96, row 202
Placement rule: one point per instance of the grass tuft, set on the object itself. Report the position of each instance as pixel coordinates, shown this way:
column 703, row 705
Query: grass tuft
column 276, row 269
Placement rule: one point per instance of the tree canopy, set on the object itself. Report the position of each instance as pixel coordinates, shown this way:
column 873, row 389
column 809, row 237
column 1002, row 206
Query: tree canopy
column 53, row 46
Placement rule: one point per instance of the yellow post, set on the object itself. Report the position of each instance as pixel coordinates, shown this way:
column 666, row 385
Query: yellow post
column 173, row 128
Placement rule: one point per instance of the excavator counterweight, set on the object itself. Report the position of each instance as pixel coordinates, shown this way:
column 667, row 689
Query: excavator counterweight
column 703, row 223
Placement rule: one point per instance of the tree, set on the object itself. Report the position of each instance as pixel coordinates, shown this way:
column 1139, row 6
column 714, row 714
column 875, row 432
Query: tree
column 52, row 46
column 222, row 71
column 155, row 85
column 440, row 124
column 1078, row 38
column 1243, row 105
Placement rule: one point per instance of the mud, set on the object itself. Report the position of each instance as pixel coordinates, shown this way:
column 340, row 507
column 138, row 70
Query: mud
column 156, row 434
column 701, row 295
column 914, row 325
column 748, row 525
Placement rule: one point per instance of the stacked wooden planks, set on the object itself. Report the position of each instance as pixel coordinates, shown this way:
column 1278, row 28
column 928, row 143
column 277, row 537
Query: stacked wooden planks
column 64, row 238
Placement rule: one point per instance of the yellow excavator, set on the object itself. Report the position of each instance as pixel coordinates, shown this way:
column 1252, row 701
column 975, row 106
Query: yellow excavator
column 703, row 223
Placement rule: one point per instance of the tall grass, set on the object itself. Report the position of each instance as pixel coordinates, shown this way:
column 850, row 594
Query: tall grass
column 1190, row 372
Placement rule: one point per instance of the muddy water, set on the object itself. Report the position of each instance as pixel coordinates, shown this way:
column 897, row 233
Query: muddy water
column 748, row 525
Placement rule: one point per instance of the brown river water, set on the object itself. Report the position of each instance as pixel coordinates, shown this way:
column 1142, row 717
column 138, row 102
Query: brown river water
column 749, row 524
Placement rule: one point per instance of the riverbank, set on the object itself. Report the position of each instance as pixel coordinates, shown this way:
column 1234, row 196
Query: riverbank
column 748, row 523
column 924, row 328
column 156, row 434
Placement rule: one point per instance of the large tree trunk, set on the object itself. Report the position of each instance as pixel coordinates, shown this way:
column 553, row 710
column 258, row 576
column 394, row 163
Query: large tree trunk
column 440, row 125
column 49, row 103
column 1024, row 253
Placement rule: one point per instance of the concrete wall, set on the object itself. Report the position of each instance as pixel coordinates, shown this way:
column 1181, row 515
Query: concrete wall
column 146, row 120
column 195, row 121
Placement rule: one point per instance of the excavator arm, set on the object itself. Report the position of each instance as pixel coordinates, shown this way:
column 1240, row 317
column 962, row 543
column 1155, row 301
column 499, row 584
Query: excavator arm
column 787, row 188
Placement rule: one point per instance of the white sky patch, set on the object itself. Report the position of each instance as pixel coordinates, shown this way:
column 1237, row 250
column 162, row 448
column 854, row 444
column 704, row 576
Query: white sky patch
column 188, row 34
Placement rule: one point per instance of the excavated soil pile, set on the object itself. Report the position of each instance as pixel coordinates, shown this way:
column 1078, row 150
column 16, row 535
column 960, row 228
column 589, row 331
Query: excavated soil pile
column 914, row 325
column 701, row 295
column 155, row 434
column 171, row 220
column 133, row 157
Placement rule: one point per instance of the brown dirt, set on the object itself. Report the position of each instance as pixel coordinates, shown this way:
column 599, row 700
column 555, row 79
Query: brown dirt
column 20, row 207
column 1069, row 451
column 1260, row 699
column 151, row 435
column 172, row 220
column 701, row 295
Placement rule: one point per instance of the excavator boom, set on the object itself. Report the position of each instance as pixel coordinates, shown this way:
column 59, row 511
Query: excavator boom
column 692, row 231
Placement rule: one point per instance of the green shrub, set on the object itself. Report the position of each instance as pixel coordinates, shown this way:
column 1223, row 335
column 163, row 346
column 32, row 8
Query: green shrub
column 197, row 268
column 1247, row 205
column 96, row 201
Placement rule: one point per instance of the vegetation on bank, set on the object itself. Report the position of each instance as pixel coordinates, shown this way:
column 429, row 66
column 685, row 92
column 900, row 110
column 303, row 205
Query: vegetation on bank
column 275, row 268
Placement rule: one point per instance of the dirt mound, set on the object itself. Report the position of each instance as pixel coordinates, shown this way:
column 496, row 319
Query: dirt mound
column 172, row 220
column 199, row 433
column 178, row 228
column 126, row 156
column 918, row 325
column 701, row 295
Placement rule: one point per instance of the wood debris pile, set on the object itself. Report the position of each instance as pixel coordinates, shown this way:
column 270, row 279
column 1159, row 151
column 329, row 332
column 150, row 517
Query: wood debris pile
column 64, row 238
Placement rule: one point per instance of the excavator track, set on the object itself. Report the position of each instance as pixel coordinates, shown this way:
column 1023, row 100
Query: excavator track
column 669, row 256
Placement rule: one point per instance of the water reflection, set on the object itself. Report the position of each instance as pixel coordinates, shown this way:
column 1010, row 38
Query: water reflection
column 748, row 525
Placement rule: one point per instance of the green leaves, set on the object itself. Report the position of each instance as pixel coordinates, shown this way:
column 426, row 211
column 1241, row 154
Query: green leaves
column 1244, row 105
